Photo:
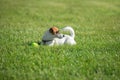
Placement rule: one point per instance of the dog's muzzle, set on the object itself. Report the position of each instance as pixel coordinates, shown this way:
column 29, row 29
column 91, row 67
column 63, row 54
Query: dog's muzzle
column 60, row 36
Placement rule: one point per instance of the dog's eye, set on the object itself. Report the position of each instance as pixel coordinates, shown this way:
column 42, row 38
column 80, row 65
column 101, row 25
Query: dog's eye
column 57, row 32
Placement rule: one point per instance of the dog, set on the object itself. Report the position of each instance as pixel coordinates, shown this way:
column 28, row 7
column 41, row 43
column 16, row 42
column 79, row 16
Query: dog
column 53, row 37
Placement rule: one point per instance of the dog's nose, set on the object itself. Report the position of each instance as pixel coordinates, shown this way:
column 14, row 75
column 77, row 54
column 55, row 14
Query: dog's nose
column 60, row 36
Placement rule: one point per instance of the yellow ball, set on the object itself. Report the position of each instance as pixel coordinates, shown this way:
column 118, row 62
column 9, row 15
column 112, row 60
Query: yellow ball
column 35, row 44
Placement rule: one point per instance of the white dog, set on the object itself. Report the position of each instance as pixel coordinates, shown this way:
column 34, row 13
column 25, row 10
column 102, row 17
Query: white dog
column 53, row 37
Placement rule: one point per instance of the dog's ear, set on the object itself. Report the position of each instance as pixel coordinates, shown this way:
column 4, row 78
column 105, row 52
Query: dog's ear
column 51, row 30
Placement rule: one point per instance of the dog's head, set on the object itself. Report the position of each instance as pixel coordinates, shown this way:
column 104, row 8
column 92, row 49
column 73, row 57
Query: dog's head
column 54, row 30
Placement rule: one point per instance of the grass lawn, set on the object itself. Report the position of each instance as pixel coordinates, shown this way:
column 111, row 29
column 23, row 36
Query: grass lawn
column 95, row 57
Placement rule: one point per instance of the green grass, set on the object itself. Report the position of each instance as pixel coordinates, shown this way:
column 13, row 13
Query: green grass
column 95, row 57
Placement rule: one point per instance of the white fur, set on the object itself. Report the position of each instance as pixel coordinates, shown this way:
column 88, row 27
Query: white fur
column 60, row 39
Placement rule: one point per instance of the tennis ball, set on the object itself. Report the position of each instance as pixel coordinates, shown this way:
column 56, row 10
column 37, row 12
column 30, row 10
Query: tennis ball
column 35, row 44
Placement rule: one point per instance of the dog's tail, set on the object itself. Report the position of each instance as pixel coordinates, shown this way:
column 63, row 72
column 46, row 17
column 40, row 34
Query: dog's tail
column 68, row 28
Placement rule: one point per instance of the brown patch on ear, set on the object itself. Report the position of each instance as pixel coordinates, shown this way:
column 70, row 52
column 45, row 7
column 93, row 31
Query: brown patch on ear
column 53, row 30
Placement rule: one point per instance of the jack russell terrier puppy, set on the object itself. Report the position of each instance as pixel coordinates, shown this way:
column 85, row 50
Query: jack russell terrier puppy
column 53, row 37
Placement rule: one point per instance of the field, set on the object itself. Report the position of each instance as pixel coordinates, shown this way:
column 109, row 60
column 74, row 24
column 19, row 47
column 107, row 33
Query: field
column 95, row 57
